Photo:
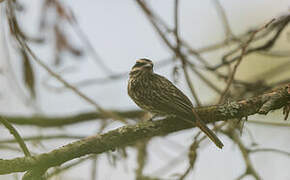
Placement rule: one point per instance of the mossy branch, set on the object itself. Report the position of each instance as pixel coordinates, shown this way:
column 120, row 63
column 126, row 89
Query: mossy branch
column 130, row 134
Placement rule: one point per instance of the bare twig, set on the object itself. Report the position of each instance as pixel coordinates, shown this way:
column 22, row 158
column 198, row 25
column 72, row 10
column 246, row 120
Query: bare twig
column 94, row 167
column 23, row 44
column 244, row 49
column 90, row 48
column 266, row 46
column 250, row 170
column 46, row 137
column 223, row 17
column 141, row 158
column 16, row 135
column 103, row 80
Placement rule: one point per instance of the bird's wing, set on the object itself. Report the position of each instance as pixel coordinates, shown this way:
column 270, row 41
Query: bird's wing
column 170, row 98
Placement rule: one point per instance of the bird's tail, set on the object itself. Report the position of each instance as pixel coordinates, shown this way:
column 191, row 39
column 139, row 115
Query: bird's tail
column 209, row 133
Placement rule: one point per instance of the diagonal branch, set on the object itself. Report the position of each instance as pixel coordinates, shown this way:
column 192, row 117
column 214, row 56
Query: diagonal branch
column 128, row 135
column 16, row 135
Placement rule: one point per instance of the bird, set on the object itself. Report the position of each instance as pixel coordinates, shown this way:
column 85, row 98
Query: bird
column 159, row 96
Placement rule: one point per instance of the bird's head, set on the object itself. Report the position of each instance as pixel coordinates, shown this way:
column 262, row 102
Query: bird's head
column 142, row 66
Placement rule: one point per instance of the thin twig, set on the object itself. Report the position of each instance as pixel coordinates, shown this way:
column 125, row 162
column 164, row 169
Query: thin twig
column 90, row 48
column 263, row 47
column 204, row 79
column 94, row 167
column 190, row 85
column 103, row 80
column 16, row 135
column 25, row 47
column 244, row 49
column 223, row 17
column 46, row 137
column 250, row 170
column 231, row 41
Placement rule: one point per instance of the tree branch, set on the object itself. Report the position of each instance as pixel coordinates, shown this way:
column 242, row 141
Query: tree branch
column 44, row 121
column 16, row 135
column 130, row 134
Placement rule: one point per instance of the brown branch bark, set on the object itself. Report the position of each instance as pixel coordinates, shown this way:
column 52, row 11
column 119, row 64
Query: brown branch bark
column 130, row 134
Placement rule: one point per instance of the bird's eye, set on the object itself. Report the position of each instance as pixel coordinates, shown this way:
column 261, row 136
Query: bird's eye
column 139, row 64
